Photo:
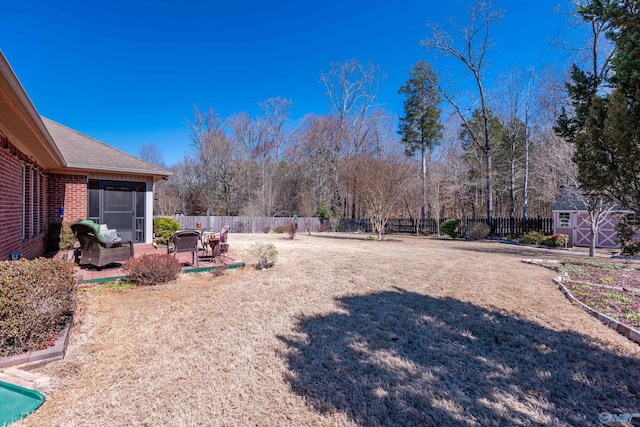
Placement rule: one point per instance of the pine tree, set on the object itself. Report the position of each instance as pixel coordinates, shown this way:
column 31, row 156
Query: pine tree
column 606, row 104
column 420, row 127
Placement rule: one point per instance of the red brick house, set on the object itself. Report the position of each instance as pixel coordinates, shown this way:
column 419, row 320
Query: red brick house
column 50, row 173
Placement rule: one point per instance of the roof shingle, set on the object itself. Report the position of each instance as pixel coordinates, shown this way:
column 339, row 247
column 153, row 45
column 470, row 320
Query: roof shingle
column 83, row 152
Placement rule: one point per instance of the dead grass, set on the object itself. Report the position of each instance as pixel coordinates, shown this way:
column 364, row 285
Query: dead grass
column 344, row 331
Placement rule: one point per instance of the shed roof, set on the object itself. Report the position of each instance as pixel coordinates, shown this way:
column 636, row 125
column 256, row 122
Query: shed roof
column 570, row 198
column 83, row 152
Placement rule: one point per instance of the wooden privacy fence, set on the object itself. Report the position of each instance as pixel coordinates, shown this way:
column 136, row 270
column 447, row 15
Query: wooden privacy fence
column 500, row 227
column 245, row 224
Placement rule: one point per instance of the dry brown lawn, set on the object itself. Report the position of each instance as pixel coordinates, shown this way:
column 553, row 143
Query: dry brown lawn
column 344, row 331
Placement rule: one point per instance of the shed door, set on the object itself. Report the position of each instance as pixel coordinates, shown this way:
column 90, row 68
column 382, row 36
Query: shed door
column 607, row 237
column 581, row 231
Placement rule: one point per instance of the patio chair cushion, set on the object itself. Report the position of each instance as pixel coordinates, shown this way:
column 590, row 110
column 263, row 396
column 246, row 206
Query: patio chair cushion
column 111, row 236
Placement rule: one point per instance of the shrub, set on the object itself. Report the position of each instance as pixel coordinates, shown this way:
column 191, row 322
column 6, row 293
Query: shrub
column 451, row 228
column 278, row 229
column 266, row 229
column 163, row 228
column 320, row 228
column 533, row 238
column 67, row 238
column 631, row 248
column 478, row 230
column 151, row 269
column 290, row 227
column 556, row 241
column 265, row 253
column 36, row 299
column 324, row 211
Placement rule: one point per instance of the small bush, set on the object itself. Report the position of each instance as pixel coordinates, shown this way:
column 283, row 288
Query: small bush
column 265, row 253
column 36, row 299
column 533, row 238
column 324, row 211
column 266, row 229
column 478, row 230
column 278, row 229
column 631, row 248
column 67, row 238
column 163, row 228
column 290, row 227
column 425, row 232
column 556, row 241
column 151, row 269
column 451, row 228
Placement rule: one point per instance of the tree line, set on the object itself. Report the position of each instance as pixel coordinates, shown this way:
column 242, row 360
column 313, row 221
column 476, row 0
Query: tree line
column 498, row 149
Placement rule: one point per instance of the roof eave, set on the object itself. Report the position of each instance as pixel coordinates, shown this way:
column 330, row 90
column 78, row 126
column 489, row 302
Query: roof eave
column 161, row 174
column 23, row 107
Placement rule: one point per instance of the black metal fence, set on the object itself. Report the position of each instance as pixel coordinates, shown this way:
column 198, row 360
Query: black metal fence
column 500, row 227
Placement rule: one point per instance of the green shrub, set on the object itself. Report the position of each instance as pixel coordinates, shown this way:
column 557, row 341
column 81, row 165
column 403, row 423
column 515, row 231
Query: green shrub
column 631, row 248
column 556, row 241
column 323, row 211
column 163, row 228
column 478, row 230
column 36, row 299
column 278, row 229
column 451, row 228
column 265, row 254
column 151, row 269
column 533, row 238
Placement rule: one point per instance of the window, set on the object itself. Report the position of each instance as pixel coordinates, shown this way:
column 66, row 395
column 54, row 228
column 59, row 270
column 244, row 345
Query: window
column 32, row 200
column 564, row 220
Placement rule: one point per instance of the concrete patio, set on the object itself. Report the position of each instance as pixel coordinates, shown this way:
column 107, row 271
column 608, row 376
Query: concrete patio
column 87, row 273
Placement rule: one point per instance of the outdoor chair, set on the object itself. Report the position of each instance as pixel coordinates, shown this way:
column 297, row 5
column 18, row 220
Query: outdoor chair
column 186, row 241
column 222, row 247
column 97, row 250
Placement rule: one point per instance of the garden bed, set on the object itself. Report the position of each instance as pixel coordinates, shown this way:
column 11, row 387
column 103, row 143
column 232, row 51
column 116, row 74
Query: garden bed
column 608, row 288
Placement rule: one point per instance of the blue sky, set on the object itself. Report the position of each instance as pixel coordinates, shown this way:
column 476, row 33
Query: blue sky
column 129, row 72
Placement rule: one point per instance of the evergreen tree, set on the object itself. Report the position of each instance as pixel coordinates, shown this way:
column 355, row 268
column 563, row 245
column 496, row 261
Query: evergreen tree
column 606, row 104
column 420, row 127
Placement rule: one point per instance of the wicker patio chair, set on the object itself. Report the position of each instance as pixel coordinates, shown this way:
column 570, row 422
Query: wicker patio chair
column 186, row 241
column 95, row 250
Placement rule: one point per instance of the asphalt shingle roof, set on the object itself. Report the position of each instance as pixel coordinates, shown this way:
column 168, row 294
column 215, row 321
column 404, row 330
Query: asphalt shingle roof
column 570, row 198
column 83, row 152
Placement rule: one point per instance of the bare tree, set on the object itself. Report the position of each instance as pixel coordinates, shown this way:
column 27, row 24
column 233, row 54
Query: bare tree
column 215, row 154
column 470, row 50
column 386, row 181
column 352, row 89
column 276, row 114
column 151, row 153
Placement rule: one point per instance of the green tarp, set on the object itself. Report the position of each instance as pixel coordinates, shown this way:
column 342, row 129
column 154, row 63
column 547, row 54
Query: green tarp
column 17, row 402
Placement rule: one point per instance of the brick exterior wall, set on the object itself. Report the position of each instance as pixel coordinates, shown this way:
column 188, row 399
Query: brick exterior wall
column 11, row 206
column 70, row 193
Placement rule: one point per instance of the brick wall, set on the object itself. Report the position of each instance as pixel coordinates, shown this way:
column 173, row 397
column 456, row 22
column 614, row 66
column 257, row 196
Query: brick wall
column 70, row 193
column 11, row 207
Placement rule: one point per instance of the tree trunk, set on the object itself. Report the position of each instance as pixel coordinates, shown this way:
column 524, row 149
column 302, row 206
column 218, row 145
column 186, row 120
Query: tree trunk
column 424, row 183
column 487, row 153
